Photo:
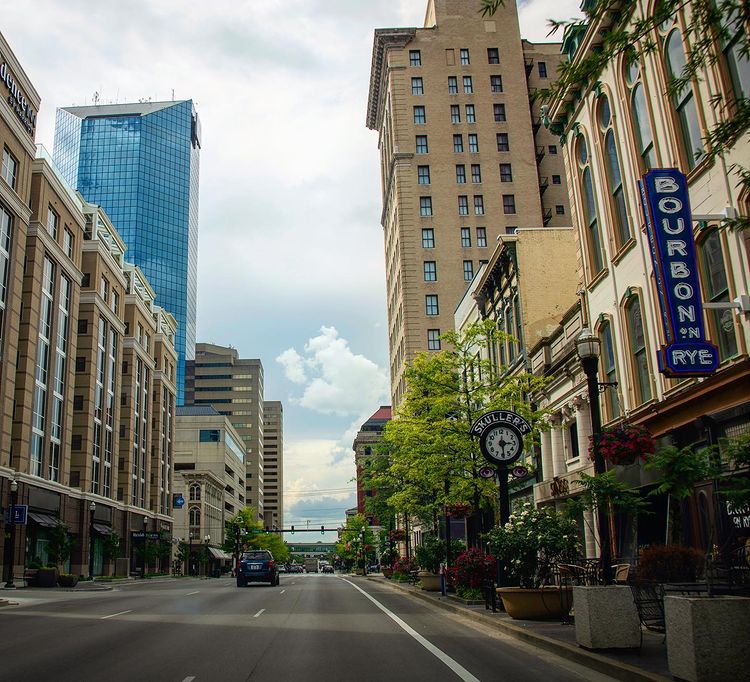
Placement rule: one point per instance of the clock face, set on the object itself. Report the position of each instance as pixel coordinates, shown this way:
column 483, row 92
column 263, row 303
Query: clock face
column 502, row 443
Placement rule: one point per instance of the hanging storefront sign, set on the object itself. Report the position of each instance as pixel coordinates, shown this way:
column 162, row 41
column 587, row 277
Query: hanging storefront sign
column 666, row 205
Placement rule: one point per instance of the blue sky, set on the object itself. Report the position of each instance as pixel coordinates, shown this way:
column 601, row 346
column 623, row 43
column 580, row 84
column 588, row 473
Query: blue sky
column 290, row 253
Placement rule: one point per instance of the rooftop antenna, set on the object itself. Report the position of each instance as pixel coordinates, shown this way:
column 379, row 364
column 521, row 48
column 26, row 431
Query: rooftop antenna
column 96, row 98
column 173, row 94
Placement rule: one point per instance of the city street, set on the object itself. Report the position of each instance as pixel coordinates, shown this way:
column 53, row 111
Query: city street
column 310, row 627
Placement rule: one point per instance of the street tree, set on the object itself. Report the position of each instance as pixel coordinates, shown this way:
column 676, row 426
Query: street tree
column 245, row 527
column 357, row 540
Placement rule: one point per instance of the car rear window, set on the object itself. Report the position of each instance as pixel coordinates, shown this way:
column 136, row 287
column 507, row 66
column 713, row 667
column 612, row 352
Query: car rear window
column 256, row 556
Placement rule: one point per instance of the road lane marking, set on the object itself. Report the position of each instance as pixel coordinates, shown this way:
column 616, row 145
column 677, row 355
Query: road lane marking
column 282, row 591
column 259, row 612
column 454, row 665
column 189, row 593
column 121, row 613
column 189, row 679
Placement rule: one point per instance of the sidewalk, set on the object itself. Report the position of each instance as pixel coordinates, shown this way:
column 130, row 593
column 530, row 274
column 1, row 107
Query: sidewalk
column 648, row 663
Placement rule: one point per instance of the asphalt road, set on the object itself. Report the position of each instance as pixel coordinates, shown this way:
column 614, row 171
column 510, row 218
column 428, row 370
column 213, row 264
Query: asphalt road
column 309, row 628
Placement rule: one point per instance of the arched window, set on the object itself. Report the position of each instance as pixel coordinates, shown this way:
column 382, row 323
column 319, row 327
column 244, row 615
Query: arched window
column 732, row 43
column 683, row 100
column 614, row 176
column 591, row 221
column 644, row 138
column 609, row 371
column 195, row 516
column 195, row 493
column 639, row 359
column 716, row 288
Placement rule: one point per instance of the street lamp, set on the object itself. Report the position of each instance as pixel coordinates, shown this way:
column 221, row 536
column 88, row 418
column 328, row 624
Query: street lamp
column 588, row 347
column 190, row 554
column 143, row 562
column 13, row 502
column 207, row 540
column 362, row 546
column 92, row 509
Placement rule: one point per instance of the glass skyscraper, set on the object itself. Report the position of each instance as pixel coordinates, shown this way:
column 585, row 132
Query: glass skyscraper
column 140, row 163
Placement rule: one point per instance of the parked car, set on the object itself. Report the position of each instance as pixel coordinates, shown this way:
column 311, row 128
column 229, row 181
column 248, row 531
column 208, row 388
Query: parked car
column 327, row 568
column 257, row 566
column 297, row 568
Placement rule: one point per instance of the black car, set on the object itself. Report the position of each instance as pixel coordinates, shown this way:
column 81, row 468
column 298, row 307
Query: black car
column 257, row 566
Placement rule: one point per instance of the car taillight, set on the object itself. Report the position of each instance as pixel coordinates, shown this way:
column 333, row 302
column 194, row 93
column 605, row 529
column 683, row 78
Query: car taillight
column 271, row 564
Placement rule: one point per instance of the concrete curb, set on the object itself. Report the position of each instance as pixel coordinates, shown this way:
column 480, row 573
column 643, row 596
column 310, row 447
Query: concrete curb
column 589, row 659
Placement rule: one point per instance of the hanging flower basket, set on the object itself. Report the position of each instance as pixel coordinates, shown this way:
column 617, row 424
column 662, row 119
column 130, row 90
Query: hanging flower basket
column 397, row 535
column 458, row 510
column 623, row 445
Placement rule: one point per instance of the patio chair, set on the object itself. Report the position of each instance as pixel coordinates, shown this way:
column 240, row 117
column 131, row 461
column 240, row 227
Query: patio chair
column 649, row 602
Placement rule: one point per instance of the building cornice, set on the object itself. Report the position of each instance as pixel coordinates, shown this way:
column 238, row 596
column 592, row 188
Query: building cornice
column 385, row 38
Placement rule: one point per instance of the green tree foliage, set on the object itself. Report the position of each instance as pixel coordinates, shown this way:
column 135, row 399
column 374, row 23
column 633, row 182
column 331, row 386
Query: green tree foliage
column 251, row 534
column 711, row 23
column 111, row 546
column 427, row 457
column 61, row 544
column 735, row 452
column 357, row 540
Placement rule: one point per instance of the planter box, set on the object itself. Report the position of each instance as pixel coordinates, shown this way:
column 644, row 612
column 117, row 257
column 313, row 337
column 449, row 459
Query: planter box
column 606, row 617
column 430, row 581
column 467, row 602
column 46, row 577
column 707, row 638
column 544, row 603
column 67, row 580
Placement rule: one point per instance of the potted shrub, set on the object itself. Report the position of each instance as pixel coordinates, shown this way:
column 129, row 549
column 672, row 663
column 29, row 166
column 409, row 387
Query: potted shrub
column 46, row 576
column 471, row 569
column 67, row 579
column 528, row 545
column 387, row 559
column 59, row 550
column 429, row 555
column 402, row 569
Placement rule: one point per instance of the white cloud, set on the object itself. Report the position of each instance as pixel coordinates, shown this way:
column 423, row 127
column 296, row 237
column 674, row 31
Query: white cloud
column 339, row 382
column 534, row 16
column 293, row 365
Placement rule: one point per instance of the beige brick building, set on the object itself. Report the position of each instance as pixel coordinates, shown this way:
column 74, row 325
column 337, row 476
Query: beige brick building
column 273, row 464
column 464, row 159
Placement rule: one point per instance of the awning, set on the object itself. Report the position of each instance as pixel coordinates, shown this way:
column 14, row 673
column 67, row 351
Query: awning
column 217, row 553
column 102, row 529
column 44, row 519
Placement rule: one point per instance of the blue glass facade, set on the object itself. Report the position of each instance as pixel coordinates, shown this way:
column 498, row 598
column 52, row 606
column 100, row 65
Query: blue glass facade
column 140, row 163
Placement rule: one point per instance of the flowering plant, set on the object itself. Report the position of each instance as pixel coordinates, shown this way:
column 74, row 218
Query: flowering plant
column 458, row 510
column 472, row 567
column 397, row 535
column 531, row 541
column 623, row 444
column 403, row 566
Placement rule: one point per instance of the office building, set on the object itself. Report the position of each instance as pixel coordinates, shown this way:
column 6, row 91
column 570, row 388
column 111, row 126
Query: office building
column 234, row 387
column 273, row 464
column 140, row 163
column 367, row 437
column 464, row 159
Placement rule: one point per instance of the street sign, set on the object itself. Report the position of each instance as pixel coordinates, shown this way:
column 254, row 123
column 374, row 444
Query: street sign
column 501, row 434
column 487, row 472
column 178, row 501
column 139, row 535
column 20, row 515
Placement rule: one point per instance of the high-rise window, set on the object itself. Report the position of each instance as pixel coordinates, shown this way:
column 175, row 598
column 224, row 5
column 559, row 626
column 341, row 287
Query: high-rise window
column 420, row 117
column 433, row 339
column 737, row 60
column 464, row 56
column 468, row 87
column 452, row 85
column 559, row 209
column 465, row 237
column 542, row 67
column 493, row 55
column 552, row 149
column 455, row 113
column 482, row 237
column 425, row 206
column 468, row 271
column 460, row 173
column 473, row 142
column 463, row 205
column 6, row 231
column 415, row 58
column 423, row 175
column 613, row 175
column 591, row 218
column 428, row 238
column 478, row 204
column 716, row 289
column 470, row 115
column 496, row 83
column 556, row 180
column 431, row 304
column 609, row 370
column 509, row 203
column 421, row 145
column 458, row 143
column 417, row 86
column 639, row 359
column 52, row 221
column 498, row 111
column 639, row 113
column 503, row 144
column 9, row 168
column 506, row 172
column 430, row 271
column 476, row 173
column 68, row 243
column 42, row 374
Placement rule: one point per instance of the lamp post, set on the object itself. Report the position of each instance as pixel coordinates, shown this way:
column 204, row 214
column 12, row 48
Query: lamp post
column 143, row 561
column 92, row 509
column 362, row 547
column 207, row 540
column 190, row 554
column 13, row 502
column 588, row 348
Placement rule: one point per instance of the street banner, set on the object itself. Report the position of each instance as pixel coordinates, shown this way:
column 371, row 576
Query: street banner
column 666, row 206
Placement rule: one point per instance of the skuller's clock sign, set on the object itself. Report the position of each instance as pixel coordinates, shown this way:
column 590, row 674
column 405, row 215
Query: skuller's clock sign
column 501, row 434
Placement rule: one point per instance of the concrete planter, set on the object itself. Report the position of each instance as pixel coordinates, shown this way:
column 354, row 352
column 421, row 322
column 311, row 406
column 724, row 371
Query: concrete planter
column 606, row 617
column 430, row 581
column 707, row 638
column 545, row 603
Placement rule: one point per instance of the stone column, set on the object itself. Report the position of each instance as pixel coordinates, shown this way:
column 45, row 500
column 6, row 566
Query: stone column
column 590, row 535
column 583, row 429
column 546, row 443
column 558, row 450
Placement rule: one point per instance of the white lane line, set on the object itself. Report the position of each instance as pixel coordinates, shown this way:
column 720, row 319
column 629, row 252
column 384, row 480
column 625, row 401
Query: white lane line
column 121, row 613
column 189, row 679
column 282, row 591
column 259, row 612
column 454, row 665
column 189, row 593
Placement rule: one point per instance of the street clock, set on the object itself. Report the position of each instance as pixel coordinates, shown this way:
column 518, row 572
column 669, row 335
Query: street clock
column 501, row 434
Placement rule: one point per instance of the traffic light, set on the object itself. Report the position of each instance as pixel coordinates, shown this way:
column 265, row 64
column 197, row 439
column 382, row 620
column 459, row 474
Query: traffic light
column 292, row 530
column 322, row 530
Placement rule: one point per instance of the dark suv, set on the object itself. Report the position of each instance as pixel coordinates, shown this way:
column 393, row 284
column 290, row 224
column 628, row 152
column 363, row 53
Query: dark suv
column 257, row 566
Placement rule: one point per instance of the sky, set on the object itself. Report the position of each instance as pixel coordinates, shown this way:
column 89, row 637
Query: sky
column 290, row 264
